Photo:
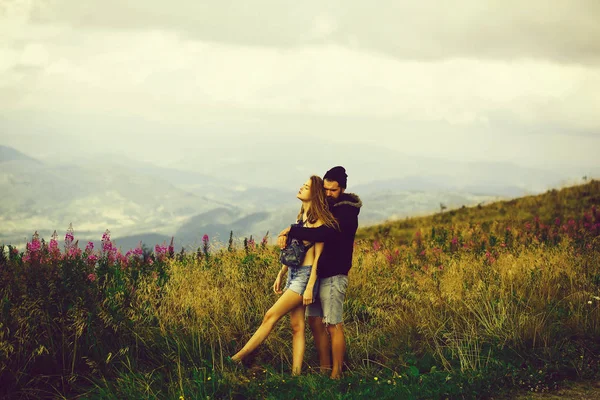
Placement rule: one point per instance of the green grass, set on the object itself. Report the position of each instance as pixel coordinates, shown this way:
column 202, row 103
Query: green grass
column 500, row 298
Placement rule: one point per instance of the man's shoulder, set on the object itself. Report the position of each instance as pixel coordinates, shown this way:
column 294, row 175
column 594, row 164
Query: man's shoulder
column 349, row 200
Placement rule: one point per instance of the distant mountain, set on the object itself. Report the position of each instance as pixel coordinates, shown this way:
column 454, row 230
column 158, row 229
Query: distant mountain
column 284, row 164
column 391, row 205
column 10, row 154
column 94, row 197
column 244, row 192
column 218, row 224
column 150, row 240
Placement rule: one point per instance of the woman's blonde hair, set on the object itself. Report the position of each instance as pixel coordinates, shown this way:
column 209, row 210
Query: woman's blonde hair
column 319, row 209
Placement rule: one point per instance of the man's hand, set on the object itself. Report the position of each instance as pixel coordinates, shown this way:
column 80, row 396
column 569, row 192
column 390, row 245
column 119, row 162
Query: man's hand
column 307, row 298
column 282, row 238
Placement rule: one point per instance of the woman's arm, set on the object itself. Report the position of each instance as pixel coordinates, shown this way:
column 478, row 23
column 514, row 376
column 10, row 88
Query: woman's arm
column 308, row 292
column 280, row 275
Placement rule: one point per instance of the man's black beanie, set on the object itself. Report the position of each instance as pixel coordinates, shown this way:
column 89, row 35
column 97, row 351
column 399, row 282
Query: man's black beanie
column 337, row 174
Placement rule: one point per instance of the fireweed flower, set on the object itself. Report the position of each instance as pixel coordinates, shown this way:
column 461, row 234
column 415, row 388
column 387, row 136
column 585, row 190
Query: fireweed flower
column 454, row 241
column 73, row 252
column 205, row 244
column 91, row 260
column 69, row 237
column 123, row 260
column 91, row 277
column 53, row 250
column 376, row 245
column 171, row 248
column 33, row 248
column 107, row 245
column 89, row 247
column 160, row 252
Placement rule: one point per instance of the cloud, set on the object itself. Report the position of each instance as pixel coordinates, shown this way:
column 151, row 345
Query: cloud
column 566, row 32
column 471, row 83
column 140, row 72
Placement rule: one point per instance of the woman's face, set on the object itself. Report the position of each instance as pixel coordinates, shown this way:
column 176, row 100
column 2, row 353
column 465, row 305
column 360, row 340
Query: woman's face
column 304, row 192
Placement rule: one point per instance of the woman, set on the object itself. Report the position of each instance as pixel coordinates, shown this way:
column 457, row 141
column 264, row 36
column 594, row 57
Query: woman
column 301, row 286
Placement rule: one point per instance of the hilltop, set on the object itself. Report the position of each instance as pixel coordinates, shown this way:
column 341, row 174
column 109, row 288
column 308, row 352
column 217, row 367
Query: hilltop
column 555, row 204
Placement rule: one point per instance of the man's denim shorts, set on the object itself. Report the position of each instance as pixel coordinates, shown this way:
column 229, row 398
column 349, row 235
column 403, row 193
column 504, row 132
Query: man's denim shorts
column 297, row 279
column 330, row 303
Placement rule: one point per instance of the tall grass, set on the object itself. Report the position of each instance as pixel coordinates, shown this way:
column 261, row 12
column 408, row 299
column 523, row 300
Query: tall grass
column 460, row 299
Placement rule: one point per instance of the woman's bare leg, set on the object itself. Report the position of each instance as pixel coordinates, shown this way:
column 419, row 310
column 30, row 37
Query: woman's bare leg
column 288, row 301
column 298, row 338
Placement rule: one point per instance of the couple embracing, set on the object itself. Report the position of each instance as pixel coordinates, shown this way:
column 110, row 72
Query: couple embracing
column 326, row 225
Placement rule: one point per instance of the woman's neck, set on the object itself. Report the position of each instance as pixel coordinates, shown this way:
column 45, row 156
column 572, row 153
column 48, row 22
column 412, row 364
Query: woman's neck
column 305, row 207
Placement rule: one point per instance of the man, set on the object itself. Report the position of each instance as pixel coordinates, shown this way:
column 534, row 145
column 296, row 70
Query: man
column 325, row 314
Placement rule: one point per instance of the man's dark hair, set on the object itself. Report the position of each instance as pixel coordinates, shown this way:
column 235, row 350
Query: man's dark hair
column 337, row 174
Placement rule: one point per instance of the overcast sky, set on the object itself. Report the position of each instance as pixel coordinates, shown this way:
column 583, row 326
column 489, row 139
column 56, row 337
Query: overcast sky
column 503, row 80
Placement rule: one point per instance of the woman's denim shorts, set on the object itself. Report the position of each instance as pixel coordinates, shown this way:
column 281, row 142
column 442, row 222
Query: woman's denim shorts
column 297, row 279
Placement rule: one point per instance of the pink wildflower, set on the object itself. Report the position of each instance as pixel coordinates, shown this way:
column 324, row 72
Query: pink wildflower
column 160, row 252
column 54, row 250
column 91, row 277
column 91, row 260
column 73, row 252
column 69, row 237
column 376, row 245
column 34, row 246
column 33, row 249
column 123, row 260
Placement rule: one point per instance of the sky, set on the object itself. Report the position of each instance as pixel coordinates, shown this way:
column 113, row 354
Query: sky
column 471, row 80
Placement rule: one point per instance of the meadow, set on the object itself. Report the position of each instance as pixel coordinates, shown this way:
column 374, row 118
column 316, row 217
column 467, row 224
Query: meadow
column 476, row 302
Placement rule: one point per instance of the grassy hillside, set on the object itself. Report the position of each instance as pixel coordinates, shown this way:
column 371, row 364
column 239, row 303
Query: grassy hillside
column 563, row 204
column 464, row 304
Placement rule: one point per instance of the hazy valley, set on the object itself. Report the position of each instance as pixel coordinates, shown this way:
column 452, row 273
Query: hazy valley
column 246, row 194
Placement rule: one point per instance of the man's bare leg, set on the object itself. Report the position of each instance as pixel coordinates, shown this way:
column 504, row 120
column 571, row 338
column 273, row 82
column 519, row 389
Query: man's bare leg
column 338, row 349
column 322, row 344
